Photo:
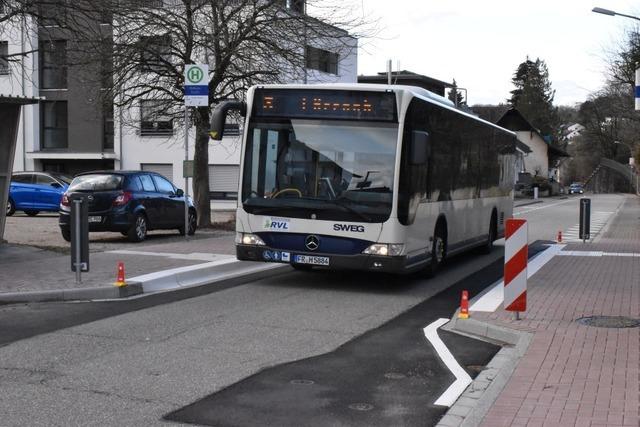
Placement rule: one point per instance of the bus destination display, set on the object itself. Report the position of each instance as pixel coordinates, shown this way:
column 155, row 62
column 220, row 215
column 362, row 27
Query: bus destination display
column 325, row 104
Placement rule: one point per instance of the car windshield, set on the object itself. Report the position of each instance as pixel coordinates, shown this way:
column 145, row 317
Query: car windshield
column 61, row 177
column 96, row 182
column 340, row 170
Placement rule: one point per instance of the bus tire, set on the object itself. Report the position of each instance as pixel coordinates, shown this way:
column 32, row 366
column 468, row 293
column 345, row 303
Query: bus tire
column 493, row 233
column 438, row 250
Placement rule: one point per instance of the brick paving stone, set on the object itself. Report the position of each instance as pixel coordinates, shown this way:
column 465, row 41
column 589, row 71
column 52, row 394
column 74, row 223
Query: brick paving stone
column 573, row 374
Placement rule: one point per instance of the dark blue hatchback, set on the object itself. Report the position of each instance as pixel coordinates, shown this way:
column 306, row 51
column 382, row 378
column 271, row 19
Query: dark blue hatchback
column 129, row 202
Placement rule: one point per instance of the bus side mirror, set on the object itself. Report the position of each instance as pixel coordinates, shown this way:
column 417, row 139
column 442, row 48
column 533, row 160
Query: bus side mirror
column 219, row 116
column 419, row 152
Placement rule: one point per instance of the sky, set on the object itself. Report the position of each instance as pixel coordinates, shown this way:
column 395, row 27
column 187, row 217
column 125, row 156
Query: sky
column 481, row 43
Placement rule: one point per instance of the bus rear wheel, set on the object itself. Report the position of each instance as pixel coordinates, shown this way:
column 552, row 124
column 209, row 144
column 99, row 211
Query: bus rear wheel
column 493, row 234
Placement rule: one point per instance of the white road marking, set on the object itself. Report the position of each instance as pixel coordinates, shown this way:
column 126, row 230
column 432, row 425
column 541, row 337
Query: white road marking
column 527, row 210
column 164, row 273
column 463, row 379
column 194, row 256
column 491, row 300
column 599, row 254
column 598, row 221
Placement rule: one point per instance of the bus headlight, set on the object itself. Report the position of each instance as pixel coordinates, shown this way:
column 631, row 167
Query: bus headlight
column 249, row 239
column 384, row 249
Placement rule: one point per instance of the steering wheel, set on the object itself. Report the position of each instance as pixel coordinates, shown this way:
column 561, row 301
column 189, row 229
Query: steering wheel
column 286, row 190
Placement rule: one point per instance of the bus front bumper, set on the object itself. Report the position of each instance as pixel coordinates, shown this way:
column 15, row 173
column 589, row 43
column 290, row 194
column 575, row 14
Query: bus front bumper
column 387, row 264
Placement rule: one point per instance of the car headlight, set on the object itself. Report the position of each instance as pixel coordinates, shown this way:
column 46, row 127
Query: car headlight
column 249, row 239
column 385, row 249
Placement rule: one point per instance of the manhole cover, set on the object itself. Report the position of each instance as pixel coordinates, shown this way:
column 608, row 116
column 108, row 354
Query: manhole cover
column 361, row 406
column 302, row 382
column 610, row 321
column 394, row 375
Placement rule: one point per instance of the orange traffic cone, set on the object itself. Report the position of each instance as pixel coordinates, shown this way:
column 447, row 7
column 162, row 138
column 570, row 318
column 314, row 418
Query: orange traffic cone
column 464, row 306
column 559, row 236
column 120, row 280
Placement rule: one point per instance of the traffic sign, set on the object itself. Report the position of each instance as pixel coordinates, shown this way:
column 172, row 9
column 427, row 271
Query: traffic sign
column 196, row 85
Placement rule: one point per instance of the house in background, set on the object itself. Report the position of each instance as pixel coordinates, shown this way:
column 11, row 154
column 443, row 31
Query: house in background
column 409, row 78
column 544, row 158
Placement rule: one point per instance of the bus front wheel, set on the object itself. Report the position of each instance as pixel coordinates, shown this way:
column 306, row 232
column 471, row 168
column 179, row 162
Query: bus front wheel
column 438, row 251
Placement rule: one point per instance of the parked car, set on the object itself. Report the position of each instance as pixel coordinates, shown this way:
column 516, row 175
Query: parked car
column 34, row 192
column 129, row 202
column 576, row 188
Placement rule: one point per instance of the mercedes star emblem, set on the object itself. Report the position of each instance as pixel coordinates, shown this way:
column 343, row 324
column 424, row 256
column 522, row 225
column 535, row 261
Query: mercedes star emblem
column 312, row 242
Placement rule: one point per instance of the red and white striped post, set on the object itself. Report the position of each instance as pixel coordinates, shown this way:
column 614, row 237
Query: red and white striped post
column 516, row 253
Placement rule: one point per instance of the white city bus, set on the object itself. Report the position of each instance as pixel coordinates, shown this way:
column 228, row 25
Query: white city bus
column 367, row 177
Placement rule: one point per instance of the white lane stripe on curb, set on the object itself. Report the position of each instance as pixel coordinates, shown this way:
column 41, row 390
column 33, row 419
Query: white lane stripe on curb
column 164, row 273
column 463, row 379
column 195, row 256
column 490, row 301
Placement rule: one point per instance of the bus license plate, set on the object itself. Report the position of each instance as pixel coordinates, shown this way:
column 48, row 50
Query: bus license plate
column 314, row 260
column 95, row 219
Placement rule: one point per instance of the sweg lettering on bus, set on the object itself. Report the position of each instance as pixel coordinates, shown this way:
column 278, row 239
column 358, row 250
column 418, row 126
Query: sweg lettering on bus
column 349, row 227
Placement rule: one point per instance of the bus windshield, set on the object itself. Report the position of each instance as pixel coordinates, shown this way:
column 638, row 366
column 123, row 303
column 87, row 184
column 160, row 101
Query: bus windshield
column 323, row 169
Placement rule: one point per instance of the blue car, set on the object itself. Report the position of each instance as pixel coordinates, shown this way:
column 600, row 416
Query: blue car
column 35, row 192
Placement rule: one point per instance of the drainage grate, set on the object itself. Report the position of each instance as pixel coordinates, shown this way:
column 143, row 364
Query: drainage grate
column 302, row 382
column 361, row 406
column 394, row 376
column 609, row 321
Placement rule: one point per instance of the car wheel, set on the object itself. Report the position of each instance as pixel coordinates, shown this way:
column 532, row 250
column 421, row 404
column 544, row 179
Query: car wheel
column 31, row 212
column 138, row 230
column 438, row 250
column 11, row 207
column 66, row 234
column 193, row 223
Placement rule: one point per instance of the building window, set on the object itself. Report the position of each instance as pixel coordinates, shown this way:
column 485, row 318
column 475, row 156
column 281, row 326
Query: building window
column 321, row 60
column 4, row 57
column 53, row 13
column 53, row 64
column 295, row 5
column 107, row 129
column 152, row 4
column 54, row 124
column 155, row 52
column 155, row 118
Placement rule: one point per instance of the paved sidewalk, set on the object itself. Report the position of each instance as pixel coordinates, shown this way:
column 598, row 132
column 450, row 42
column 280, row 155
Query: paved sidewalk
column 23, row 268
column 573, row 374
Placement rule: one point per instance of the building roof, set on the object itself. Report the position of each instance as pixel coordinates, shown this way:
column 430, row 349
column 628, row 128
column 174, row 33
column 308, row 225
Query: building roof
column 513, row 120
column 409, row 78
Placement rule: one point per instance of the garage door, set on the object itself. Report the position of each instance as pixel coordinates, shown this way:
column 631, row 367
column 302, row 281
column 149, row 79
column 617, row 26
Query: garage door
column 164, row 169
column 223, row 178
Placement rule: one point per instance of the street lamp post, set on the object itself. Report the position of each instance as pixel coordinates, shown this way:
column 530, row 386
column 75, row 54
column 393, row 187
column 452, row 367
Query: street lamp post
column 612, row 13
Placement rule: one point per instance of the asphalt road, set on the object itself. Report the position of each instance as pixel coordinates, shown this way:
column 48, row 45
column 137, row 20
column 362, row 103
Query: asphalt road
column 75, row 363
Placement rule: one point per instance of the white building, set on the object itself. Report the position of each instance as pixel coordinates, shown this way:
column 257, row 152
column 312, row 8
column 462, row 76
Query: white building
column 70, row 132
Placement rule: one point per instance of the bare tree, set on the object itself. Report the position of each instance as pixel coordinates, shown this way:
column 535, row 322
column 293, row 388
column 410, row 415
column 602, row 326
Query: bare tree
column 244, row 42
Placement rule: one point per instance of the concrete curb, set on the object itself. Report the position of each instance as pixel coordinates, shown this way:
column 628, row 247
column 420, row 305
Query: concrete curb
column 527, row 203
column 186, row 284
column 470, row 409
column 104, row 292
